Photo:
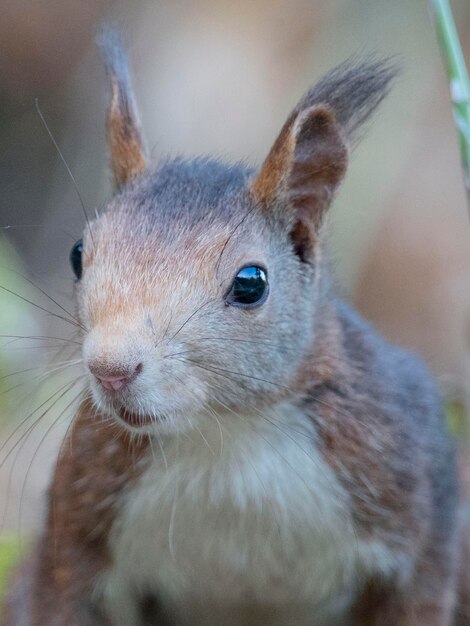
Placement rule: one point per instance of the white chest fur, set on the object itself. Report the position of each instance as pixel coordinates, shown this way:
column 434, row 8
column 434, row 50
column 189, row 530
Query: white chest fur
column 245, row 513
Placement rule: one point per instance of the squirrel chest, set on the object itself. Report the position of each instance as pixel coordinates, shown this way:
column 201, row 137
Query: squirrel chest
column 238, row 514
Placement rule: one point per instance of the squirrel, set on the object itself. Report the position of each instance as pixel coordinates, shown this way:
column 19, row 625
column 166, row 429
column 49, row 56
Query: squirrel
column 248, row 450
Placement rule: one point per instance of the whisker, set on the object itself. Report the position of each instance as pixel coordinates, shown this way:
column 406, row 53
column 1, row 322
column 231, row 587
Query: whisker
column 160, row 445
column 254, row 207
column 61, row 351
column 168, row 356
column 214, row 415
column 202, row 436
column 40, row 337
column 305, row 394
column 38, row 306
column 41, row 376
column 59, row 152
column 28, row 369
column 149, row 437
column 165, row 334
column 191, row 317
column 45, row 348
column 24, row 437
column 44, row 293
column 5, row 443
column 43, row 438
column 268, row 344
column 249, row 341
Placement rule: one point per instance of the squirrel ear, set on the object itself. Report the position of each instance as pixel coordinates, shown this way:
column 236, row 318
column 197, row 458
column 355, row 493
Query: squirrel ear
column 305, row 165
column 309, row 158
column 301, row 173
column 127, row 152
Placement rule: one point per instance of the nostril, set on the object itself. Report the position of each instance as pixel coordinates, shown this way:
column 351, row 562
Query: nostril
column 138, row 369
column 113, row 384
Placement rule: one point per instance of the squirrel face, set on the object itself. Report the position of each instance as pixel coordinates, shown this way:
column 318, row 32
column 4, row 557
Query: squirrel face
column 198, row 285
column 173, row 326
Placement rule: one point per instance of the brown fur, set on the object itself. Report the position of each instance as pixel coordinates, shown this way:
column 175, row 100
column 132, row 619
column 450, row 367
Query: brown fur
column 125, row 144
column 81, row 512
column 269, row 180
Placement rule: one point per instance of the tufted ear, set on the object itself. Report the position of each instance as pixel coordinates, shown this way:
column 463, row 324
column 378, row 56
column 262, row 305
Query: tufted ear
column 309, row 158
column 126, row 147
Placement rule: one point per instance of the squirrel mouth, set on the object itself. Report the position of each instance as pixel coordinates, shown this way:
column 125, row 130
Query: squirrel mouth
column 133, row 419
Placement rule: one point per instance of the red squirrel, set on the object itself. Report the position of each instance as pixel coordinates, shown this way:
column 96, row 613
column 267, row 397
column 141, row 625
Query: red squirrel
column 248, row 450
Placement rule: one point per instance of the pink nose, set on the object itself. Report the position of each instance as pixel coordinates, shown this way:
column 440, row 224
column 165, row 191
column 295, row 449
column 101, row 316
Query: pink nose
column 116, row 379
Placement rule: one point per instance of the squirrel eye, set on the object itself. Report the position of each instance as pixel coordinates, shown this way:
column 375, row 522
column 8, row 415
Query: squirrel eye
column 249, row 287
column 76, row 258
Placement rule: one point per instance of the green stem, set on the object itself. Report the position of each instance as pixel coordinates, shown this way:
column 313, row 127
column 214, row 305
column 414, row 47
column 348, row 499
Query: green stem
column 459, row 81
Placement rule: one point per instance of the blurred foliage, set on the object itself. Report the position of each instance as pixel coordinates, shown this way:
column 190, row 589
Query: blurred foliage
column 10, row 550
column 457, row 419
column 458, row 77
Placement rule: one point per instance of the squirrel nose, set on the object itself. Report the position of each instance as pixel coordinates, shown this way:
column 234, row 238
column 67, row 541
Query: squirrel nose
column 114, row 379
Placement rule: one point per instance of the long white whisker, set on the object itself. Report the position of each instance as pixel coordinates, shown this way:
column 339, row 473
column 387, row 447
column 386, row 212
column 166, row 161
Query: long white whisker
column 43, row 438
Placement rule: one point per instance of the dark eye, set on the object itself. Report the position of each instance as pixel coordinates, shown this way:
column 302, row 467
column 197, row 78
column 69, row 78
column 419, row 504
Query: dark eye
column 249, row 288
column 76, row 258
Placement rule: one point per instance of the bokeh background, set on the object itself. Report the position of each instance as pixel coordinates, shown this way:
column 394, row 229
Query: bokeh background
column 218, row 77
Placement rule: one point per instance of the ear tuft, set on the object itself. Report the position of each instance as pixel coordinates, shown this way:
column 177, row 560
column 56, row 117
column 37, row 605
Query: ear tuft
column 354, row 91
column 127, row 153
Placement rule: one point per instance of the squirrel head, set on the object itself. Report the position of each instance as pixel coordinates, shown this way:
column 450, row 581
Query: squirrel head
column 198, row 286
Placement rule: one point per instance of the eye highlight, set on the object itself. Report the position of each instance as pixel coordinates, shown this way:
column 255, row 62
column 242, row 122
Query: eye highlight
column 249, row 288
column 76, row 258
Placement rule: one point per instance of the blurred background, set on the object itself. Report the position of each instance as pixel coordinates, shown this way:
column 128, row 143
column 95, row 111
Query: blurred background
column 219, row 77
